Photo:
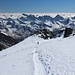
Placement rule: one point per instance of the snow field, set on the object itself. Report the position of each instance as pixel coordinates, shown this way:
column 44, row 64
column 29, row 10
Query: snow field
column 48, row 57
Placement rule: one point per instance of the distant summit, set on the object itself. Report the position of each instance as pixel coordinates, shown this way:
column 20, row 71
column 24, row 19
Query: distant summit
column 58, row 18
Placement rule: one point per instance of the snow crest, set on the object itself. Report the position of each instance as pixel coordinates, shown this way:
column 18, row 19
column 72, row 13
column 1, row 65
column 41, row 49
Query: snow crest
column 50, row 57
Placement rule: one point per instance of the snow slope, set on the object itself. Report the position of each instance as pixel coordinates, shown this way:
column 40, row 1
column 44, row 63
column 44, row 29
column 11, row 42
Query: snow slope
column 18, row 59
column 35, row 56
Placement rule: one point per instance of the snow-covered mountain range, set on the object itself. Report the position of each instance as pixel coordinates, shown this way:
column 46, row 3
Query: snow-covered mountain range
column 23, row 25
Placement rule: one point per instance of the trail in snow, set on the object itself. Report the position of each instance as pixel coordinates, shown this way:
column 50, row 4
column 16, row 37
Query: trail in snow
column 49, row 60
column 39, row 68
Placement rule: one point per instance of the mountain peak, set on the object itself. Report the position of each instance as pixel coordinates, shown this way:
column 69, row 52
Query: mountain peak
column 58, row 17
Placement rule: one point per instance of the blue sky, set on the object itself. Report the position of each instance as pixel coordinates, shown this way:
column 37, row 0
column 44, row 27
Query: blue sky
column 37, row 6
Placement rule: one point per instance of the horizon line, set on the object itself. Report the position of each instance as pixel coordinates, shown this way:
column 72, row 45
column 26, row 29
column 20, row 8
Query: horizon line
column 37, row 12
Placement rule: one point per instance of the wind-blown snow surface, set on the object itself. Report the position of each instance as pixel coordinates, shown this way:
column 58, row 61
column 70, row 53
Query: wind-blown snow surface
column 48, row 57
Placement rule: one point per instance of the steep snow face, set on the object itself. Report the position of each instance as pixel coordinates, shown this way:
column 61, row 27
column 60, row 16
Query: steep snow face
column 35, row 56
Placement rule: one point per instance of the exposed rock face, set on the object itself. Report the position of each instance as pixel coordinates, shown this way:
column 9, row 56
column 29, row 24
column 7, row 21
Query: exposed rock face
column 68, row 32
column 6, row 41
column 2, row 47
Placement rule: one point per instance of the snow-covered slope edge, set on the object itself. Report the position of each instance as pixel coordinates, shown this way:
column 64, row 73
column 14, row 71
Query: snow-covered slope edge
column 54, row 57
column 18, row 59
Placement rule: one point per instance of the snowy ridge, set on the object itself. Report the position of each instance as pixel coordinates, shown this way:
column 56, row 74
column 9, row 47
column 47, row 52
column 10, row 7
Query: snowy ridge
column 18, row 59
column 36, row 56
